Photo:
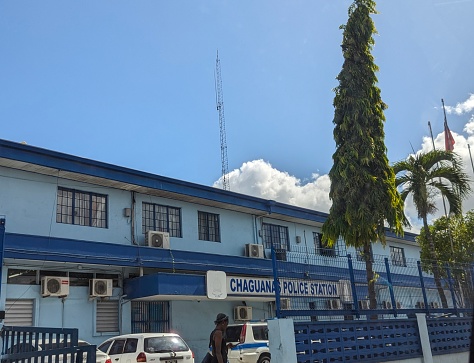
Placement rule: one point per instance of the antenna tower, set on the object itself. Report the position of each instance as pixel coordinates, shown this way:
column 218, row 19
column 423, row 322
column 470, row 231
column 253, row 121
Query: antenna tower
column 220, row 109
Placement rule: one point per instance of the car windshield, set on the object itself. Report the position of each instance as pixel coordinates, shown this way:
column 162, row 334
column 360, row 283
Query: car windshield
column 165, row 344
column 232, row 334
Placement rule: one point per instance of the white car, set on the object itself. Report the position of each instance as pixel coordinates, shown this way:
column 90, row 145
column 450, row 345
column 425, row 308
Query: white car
column 100, row 357
column 250, row 342
column 148, row 348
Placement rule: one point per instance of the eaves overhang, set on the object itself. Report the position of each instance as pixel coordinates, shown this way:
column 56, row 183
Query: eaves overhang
column 59, row 165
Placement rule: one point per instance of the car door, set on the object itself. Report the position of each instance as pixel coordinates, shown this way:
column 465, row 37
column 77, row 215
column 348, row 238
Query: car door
column 116, row 350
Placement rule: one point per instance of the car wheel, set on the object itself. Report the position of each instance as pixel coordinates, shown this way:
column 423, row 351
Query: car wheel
column 264, row 359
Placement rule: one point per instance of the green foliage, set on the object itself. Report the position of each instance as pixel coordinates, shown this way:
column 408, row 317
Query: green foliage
column 424, row 176
column 363, row 192
column 453, row 240
column 429, row 174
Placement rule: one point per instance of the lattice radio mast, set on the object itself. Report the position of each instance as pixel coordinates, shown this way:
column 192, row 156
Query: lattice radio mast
column 220, row 109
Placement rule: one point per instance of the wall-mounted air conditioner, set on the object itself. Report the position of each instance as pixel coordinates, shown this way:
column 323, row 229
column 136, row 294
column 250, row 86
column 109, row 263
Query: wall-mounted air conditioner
column 243, row 313
column 285, row 304
column 158, row 239
column 54, row 286
column 386, row 304
column 254, row 250
column 364, row 305
column 333, row 304
column 420, row 305
column 100, row 287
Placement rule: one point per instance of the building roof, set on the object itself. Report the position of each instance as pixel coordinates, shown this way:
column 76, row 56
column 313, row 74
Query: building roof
column 42, row 161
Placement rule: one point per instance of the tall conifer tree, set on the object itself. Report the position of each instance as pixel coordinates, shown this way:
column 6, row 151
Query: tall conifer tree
column 363, row 193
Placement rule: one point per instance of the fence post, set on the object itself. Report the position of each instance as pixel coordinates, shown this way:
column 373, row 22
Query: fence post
column 2, row 250
column 276, row 282
column 424, row 338
column 451, row 288
column 390, row 286
column 422, row 283
column 353, row 286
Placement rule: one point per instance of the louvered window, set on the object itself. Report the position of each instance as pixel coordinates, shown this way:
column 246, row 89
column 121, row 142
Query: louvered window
column 19, row 312
column 107, row 316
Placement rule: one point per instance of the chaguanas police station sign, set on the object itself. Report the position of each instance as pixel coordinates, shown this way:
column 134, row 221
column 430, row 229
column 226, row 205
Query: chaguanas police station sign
column 251, row 286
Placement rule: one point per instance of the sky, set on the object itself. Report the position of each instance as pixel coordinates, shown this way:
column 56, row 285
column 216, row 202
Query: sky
column 133, row 84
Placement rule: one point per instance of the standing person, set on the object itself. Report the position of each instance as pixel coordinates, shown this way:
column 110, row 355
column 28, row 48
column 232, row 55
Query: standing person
column 218, row 342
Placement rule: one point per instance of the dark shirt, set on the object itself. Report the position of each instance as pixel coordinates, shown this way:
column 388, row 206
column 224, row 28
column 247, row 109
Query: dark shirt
column 223, row 348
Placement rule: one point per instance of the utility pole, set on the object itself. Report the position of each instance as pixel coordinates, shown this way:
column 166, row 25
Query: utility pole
column 220, row 109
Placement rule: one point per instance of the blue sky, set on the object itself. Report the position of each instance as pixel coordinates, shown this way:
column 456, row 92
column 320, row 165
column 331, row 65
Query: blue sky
column 132, row 84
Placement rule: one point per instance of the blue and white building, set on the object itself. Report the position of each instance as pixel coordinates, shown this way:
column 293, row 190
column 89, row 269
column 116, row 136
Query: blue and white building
column 111, row 250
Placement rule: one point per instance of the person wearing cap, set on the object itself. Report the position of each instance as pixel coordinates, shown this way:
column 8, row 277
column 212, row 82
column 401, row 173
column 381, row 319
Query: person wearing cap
column 218, row 342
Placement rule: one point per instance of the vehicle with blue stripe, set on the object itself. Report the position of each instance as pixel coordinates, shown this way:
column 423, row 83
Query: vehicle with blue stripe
column 250, row 342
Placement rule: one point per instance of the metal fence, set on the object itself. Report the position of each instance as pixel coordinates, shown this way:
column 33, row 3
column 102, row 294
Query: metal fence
column 326, row 286
column 378, row 341
column 44, row 345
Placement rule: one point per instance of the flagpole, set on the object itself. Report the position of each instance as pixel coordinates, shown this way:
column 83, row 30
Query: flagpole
column 470, row 156
column 434, row 148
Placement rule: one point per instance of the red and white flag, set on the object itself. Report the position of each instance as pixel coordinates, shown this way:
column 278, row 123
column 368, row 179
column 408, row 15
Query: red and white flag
column 448, row 138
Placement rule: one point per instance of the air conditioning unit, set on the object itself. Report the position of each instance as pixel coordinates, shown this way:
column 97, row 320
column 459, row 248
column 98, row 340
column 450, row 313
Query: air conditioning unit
column 434, row 305
column 364, row 304
column 333, row 304
column 100, row 287
column 254, row 250
column 387, row 304
column 54, row 286
column 420, row 305
column 158, row 239
column 285, row 304
column 243, row 313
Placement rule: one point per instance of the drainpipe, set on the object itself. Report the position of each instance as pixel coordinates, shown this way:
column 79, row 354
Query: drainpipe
column 132, row 219
column 2, row 249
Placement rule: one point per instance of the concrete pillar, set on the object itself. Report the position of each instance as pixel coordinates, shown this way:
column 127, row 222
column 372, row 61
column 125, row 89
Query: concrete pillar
column 281, row 336
column 424, row 338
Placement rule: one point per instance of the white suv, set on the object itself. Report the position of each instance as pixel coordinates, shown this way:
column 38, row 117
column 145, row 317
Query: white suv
column 147, row 347
column 250, row 342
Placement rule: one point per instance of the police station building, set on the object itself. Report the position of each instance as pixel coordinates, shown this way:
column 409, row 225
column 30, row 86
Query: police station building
column 111, row 250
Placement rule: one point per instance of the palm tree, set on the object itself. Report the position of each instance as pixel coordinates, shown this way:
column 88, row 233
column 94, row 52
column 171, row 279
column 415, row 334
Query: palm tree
column 425, row 176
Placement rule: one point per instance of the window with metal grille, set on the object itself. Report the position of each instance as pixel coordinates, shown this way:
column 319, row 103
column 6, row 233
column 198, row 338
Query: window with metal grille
column 397, row 256
column 150, row 316
column 321, row 248
column 275, row 235
column 19, row 312
column 209, row 228
column 161, row 218
column 107, row 316
column 81, row 208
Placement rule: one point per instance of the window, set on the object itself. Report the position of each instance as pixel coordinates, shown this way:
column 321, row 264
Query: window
column 19, row 312
column 107, row 316
column 275, row 235
column 260, row 332
column 150, row 316
column 397, row 255
column 161, row 218
column 321, row 248
column 81, row 208
column 208, row 225
column 360, row 254
column 117, row 347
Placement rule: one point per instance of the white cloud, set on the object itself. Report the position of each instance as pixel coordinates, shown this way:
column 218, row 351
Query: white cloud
column 258, row 178
column 462, row 107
